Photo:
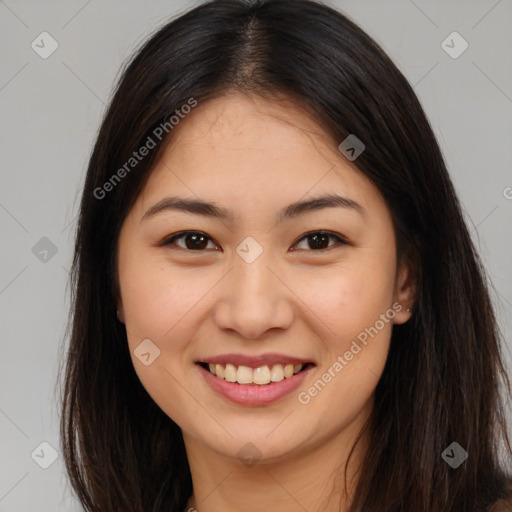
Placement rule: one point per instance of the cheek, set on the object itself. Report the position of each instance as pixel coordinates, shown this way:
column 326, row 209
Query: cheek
column 157, row 299
column 161, row 305
column 355, row 304
column 350, row 298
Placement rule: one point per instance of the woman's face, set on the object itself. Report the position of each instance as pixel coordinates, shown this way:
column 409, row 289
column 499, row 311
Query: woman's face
column 254, row 287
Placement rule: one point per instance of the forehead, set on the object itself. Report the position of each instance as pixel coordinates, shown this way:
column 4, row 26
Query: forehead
column 250, row 118
column 262, row 150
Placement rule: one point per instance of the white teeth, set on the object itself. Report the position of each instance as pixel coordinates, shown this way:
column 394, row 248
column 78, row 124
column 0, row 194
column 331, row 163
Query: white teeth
column 244, row 375
column 230, row 373
column 219, row 371
column 277, row 373
column 261, row 375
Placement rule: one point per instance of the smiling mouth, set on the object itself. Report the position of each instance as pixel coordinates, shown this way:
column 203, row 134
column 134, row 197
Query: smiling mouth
column 263, row 375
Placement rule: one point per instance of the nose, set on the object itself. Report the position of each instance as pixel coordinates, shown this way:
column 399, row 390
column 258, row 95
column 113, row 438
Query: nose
column 253, row 300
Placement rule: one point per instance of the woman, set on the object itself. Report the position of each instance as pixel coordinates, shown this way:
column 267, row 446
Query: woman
column 276, row 299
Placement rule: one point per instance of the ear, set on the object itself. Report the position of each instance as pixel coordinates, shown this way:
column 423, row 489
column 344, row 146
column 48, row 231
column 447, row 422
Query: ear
column 405, row 288
column 120, row 311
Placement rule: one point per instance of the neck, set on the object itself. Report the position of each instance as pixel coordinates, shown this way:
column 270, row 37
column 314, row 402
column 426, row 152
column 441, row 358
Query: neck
column 312, row 479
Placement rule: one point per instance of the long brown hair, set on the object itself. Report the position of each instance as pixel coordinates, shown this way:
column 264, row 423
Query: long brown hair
column 442, row 379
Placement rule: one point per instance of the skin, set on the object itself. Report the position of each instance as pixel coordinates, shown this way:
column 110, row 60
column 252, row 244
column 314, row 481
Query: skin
column 256, row 156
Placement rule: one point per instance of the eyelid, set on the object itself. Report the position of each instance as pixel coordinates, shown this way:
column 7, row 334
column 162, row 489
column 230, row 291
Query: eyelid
column 168, row 240
column 339, row 238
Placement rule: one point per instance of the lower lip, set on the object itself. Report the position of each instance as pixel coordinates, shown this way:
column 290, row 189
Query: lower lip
column 254, row 394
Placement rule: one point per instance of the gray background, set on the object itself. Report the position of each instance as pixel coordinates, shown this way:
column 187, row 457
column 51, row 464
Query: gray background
column 50, row 112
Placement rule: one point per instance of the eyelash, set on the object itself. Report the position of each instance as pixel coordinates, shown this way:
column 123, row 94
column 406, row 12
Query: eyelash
column 182, row 234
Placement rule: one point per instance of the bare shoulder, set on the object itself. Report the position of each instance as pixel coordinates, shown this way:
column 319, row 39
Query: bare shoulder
column 505, row 504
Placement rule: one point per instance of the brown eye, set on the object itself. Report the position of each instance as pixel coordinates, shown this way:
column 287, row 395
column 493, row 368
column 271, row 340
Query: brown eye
column 319, row 241
column 190, row 240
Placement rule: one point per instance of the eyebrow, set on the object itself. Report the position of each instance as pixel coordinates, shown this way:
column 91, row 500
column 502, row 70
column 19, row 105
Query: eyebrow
column 207, row 209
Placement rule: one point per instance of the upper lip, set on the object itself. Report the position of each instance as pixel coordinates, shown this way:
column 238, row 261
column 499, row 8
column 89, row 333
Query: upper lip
column 253, row 361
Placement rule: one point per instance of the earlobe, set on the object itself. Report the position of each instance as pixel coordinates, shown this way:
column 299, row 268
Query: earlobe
column 405, row 287
column 120, row 312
